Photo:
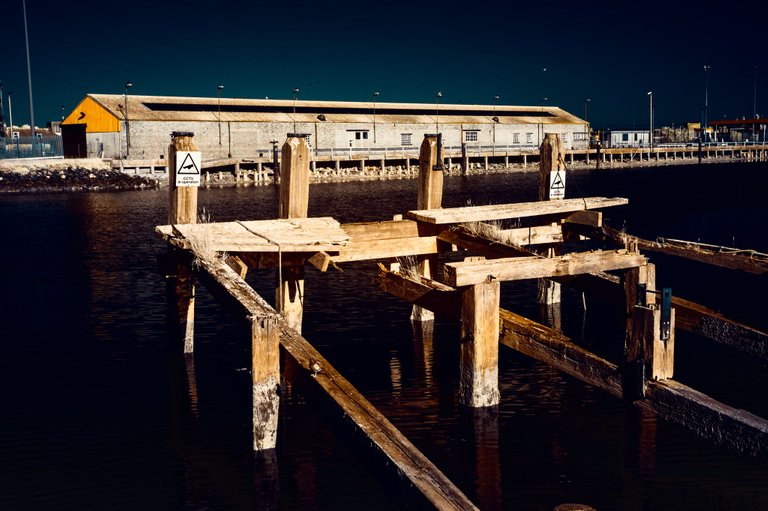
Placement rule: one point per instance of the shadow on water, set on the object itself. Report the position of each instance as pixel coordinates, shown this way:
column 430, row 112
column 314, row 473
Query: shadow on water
column 100, row 411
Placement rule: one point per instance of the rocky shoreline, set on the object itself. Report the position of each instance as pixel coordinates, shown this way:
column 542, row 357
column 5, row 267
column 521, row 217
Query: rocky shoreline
column 42, row 176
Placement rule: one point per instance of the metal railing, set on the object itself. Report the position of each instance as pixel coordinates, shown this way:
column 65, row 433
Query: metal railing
column 23, row 147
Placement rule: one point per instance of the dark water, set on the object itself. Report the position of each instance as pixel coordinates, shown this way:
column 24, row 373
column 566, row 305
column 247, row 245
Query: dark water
column 96, row 411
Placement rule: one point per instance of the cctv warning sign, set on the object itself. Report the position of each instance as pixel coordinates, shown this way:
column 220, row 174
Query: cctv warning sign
column 188, row 165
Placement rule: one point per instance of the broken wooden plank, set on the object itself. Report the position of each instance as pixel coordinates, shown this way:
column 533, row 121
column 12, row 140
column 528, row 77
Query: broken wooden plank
column 387, row 439
column 518, row 268
column 517, row 210
column 429, row 294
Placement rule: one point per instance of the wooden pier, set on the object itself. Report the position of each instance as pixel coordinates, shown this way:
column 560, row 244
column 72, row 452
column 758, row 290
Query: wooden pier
column 461, row 257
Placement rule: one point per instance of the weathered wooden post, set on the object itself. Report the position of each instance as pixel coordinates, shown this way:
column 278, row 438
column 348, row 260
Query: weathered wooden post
column 184, row 178
column 479, row 360
column 551, row 187
column 464, row 159
column 430, row 196
column 265, row 372
column 650, row 338
column 294, row 203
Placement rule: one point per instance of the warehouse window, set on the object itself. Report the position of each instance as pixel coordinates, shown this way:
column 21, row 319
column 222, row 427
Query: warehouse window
column 515, row 138
column 470, row 136
column 405, row 139
column 529, row 138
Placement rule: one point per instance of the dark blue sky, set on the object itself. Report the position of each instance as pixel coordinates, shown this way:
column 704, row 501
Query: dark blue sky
column 610, row 52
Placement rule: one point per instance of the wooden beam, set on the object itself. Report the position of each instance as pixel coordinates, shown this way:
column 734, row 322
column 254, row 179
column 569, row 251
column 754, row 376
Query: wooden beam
column 429, row 294
column 371, row 231
column 517, row 210
column 182, row 199
column 585, row 217
column 387, row 439
column 745, row 260
column 383, row 249
column 518, row 268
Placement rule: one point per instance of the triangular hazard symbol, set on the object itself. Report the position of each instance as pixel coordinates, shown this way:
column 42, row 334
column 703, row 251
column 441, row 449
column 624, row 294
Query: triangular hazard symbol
column 188, row 166
column 557, row 183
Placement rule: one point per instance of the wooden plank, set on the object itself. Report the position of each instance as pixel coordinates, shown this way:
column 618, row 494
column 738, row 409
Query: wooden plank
column 519, row 268
column 517, row 210
column 585, row 217
column 387, row 439
column 371, row 231
column 383, row 249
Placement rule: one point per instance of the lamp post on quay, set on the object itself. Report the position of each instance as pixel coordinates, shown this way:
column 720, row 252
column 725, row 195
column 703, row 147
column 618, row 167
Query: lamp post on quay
column 128, row 85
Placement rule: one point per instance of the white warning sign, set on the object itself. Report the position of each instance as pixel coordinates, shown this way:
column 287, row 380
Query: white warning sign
column 557, row 184
column 188, row 165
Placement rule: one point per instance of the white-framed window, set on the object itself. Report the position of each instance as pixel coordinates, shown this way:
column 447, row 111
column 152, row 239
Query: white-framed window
column 515, row 138
column 405, row 139
column 579, row 136
column 359, row 134
column 565, row 138
column 15, row 135
column 470, row 136
column 529, row 138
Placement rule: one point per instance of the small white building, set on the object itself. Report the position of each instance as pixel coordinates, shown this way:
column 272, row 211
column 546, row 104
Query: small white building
column 139, row 127
column 624, row 138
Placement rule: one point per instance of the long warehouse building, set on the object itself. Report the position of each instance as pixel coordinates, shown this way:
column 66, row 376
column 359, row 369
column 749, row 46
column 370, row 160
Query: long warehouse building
column 121, row 126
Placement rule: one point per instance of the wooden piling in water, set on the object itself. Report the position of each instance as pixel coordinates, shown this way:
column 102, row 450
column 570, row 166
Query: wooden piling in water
column 430, row 196
column 294, row 203
column 182, row 209
column 551, row 159
column 265, row 377
column 479, row 360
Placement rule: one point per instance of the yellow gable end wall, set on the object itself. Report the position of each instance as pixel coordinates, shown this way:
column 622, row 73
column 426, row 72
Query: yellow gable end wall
column 97, row 119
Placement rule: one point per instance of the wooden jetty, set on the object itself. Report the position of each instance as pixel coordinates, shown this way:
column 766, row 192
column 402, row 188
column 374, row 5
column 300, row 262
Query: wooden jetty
column 220, row 254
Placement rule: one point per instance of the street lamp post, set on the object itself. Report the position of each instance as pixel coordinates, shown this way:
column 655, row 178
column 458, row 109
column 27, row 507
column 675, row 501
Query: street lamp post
column 586, row 121
column 650, row 120
column 375, row 95
column 706, row 98
column 10, row 113
column 541, row 120
column 495, row 120
column 128, row 85
column 754, row 101
column 295, row 94
column 218, row 100
column 437, row 111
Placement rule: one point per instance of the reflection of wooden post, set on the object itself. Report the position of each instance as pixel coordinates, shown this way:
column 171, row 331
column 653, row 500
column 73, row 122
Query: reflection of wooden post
column 265, row 371
column 487, row 463
column 479, row 364
column 182, row 209
column 430, row 197
column 294, row 203
column 551, row 158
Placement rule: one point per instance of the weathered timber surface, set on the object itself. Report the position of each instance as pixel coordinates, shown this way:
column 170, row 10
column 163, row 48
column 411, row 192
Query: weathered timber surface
column 672, row 400
column 517, row 268
column 517, row 210
column 383, row 249
column 479, row 345
column 745, row 260
column 700, row 320
column 286, row 235
column 725, row 425
column 411, row 463
column 429, row 294
column 550, row 346
column 390, row 229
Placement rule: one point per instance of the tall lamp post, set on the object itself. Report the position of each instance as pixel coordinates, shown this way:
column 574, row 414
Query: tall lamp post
column 218, row 100
column 10, row 114
column 541, row 120
column 650, row 119
column 586, row 121
column 754, row 101
column 295, row 94
column 128, row 85
column 375, row 95
column 706, row 99
column 495, row 119
column 437, row 111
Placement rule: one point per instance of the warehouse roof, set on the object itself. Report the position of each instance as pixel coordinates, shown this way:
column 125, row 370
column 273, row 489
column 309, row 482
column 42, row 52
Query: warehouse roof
column 171, row 108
